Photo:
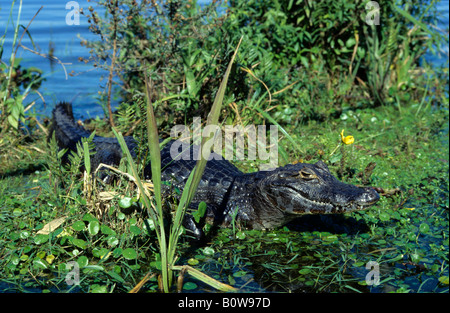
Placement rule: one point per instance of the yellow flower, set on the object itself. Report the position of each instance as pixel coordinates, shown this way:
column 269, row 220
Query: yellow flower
column 347, row 140
column 49, row 258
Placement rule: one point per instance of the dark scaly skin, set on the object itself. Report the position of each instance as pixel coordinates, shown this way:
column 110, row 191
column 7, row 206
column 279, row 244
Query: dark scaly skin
column 263, row 200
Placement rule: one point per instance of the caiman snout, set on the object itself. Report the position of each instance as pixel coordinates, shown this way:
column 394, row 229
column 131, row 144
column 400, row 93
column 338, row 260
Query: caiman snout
column 351, row 198
column 368, row 197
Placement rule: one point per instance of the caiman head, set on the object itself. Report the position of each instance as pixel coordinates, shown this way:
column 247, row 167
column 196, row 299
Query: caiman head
column 307, row 189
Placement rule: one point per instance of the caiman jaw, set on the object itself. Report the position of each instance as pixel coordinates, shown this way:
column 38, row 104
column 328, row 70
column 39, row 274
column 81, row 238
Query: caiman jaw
column 327, row 208
column 301, row 204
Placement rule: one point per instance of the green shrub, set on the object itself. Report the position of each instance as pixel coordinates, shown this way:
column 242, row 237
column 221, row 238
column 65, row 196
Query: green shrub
column 302, row 59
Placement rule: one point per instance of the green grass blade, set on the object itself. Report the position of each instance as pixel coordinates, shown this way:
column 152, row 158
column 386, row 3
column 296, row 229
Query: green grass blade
column 213, row 118
column 134, row 171
column 206, row 279
column 413, row 20
column 157, row 218
column 153, row 145
column 155, row 159
column 87, row 158
column 196, row 175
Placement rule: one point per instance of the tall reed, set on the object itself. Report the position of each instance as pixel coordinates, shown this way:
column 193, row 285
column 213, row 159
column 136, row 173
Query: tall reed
column 168, row 245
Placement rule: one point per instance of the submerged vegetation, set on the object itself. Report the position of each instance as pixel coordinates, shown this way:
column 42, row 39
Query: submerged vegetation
column 357, row 95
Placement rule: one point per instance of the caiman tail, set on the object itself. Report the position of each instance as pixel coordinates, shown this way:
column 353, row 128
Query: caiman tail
column 68, row 133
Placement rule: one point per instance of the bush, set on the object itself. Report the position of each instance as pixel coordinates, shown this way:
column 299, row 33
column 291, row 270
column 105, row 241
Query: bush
column 299, row 60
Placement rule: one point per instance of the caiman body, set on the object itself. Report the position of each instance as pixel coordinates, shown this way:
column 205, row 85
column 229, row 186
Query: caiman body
column 260, row 200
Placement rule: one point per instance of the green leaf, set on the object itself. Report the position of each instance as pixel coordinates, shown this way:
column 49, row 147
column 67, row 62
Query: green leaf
column 415, row 257
column 94, row 228
column 39, row 239
column 125, row 202
column 197, row 215
column 239, row 274
column 189, row 286
column 384, row 217
column 330, row 238
column 116, row 276
column 106, row 230
column 304, row 271
column 112, row 241
column 135, row 230
column 100, row 253
column 39, row 264
column 208, row 251
column 80, row 243
column 13, row 121
column 149, row 225
column 192, row 261
column 78, row 226
column 191, row 83
column 351, row 42
column 92, row 268
column 24, row 234
column 98, row 289
column 87, row 158
column 129, row 254
column 40, row 254
column 335, row 158
column 88, row 217
column 14, row 260
column 424, row 228
column 117, row 252
column 240, row 235
column 82, row 261
column 443, row 280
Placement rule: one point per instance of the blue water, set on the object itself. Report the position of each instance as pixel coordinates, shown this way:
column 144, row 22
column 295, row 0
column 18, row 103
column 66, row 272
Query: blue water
column 83, row 87
column 441, row 58
column 50, row 26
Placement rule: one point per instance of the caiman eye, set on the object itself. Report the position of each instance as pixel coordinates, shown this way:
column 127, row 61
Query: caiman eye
column 304, row 174
column 307, row 175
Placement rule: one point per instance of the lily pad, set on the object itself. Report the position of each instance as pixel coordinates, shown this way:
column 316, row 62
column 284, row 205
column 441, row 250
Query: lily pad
column 189, row 286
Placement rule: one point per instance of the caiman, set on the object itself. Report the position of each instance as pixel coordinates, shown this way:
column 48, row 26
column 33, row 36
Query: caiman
column 259, row 200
